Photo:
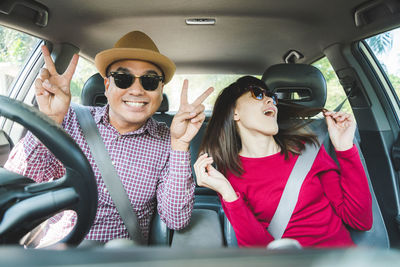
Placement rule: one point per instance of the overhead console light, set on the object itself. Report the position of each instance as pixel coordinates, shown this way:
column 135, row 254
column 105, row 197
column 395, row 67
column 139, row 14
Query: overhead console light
column 200, row 21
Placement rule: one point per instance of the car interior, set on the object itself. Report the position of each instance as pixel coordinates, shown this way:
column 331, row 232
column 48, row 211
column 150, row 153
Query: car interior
column 280, row 42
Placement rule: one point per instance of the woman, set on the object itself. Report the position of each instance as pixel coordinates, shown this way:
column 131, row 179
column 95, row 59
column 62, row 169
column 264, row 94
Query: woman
column 255, row 158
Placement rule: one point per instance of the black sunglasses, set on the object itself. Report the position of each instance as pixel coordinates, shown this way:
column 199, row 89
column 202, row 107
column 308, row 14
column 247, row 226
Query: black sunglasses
column 149, row 82
column 259, row 93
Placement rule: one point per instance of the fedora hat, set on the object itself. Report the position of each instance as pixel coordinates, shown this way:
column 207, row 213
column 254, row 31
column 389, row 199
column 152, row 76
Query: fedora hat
column 135, row 45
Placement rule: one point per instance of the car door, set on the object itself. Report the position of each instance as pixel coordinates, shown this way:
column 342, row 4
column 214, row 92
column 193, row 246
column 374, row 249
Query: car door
column 375, row 104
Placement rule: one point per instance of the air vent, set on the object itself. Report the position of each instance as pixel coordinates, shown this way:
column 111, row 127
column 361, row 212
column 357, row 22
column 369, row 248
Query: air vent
column 200, row 21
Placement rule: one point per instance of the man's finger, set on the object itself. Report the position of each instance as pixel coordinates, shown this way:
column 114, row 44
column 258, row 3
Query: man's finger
column 44, row 74
column 184, row 92
column 183, row 116
column 197, row 109
column 199, row 118
column 203, row 96
column 51, row 88
column 71, row 67
column 48, row 61
column 39, row 90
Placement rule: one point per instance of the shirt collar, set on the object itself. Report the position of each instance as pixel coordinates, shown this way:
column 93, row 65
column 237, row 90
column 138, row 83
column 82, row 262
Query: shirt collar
column 151, row 125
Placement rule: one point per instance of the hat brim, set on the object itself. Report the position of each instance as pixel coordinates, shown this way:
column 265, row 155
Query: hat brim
column 107, row 57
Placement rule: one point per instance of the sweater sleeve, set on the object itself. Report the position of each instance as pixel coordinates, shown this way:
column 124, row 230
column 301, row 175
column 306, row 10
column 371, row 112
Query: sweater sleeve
column 347, row 188
column 248, row 230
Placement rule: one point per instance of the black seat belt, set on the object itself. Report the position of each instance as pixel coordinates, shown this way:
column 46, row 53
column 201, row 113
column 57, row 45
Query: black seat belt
column 108, row 172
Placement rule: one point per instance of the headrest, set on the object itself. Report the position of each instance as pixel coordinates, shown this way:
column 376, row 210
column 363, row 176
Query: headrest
column 164, row 107
column 93, row 91
column 301, row 83
column 93, row 94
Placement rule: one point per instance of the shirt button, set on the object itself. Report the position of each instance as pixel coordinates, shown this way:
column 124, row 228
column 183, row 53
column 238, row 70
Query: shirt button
column 183, row 162
column 105, row 190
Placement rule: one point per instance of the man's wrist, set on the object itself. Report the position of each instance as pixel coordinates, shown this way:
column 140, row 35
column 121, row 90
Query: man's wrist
column 179, row 145
column 57, row 119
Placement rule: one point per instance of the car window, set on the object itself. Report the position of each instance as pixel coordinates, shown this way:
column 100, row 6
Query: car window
column 386, row 48
column 15, row 49
column 335, row 92
column 84, row 70
column 198, row 83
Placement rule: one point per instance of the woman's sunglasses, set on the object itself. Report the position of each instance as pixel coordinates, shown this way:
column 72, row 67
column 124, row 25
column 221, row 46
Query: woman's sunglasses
column 259, row 93
column 125, row 80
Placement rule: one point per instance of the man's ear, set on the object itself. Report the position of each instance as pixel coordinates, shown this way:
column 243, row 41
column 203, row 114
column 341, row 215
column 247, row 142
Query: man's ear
column 106, row 85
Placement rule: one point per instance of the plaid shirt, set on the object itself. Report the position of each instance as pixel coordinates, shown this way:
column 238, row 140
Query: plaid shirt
column 150, row 171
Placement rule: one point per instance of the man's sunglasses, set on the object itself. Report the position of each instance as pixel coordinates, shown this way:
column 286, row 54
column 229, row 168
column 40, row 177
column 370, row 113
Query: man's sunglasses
column 149, row 82
column 259, row 93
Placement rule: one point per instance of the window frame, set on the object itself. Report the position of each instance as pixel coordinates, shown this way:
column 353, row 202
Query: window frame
column 21, row 86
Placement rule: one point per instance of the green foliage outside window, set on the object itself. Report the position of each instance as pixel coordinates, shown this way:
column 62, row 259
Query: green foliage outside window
column 84, row 70
column 15, row 48
column 335, row 92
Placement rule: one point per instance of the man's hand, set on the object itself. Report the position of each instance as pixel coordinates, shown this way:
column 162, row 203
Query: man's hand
column 53, row 92
column 188, row 119
column 341, row 128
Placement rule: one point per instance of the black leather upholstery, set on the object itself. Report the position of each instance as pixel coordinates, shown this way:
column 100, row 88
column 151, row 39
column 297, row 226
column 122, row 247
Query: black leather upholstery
column 93, row 91
column 299, row 83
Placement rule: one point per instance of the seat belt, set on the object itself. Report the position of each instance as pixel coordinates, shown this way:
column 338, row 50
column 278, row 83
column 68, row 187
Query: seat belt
column 110, row 176
column 296, row 178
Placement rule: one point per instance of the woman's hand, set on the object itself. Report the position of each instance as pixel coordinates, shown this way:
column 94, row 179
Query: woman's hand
column 341, row 128
column 208, row 176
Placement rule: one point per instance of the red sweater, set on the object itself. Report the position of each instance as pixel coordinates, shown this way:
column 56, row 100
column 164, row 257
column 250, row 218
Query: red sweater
column 328, row 198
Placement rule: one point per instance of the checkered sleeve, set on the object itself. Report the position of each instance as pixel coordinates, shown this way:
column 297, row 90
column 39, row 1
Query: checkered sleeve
column 175, row 192
column 32, row 159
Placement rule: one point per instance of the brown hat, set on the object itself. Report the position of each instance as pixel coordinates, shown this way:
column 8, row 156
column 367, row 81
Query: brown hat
column 138, row 46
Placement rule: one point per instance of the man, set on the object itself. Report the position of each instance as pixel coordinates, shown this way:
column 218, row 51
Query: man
column 152, row 161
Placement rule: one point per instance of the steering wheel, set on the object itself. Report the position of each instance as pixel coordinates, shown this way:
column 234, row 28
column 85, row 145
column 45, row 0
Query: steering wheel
column 25, row 204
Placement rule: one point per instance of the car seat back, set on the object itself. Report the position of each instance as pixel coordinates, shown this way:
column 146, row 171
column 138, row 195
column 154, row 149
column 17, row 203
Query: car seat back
column 305, row 85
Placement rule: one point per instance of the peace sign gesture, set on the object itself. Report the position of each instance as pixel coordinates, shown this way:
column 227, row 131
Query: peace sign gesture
column 53, row 92
column 188, row 119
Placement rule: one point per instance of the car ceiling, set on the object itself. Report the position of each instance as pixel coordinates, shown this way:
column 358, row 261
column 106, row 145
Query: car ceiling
column 248, row 35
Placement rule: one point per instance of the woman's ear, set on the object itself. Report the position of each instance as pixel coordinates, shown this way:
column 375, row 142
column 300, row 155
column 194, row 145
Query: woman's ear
column 236, row 116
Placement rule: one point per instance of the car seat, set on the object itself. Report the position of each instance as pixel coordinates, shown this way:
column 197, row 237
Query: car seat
column 305, row 85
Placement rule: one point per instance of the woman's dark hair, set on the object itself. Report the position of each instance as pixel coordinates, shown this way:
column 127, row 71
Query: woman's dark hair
column 222, row 139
